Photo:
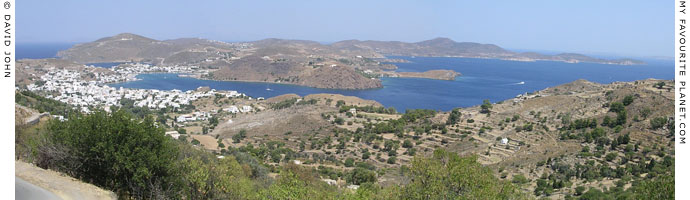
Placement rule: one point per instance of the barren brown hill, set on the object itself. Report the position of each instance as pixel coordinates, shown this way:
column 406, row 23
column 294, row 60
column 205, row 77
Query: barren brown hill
column 280, row 98
column 338, row 77
column 265, row 69
column 127, row 47
column 349, row 100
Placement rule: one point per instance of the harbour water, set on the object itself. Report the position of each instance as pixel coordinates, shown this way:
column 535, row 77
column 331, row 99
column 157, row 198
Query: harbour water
column 481, row 79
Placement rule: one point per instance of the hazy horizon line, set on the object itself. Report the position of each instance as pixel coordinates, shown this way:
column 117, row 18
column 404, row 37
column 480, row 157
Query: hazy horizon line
column 514, row 49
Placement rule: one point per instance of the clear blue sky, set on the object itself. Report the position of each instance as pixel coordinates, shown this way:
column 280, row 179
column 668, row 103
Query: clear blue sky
column 616, row 27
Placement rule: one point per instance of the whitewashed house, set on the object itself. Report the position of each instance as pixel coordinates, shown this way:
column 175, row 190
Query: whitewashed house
column 246, row 109
column 173, row 134
column 181, row 118
column 504, row 141
column 353, row 111
column 231, row 109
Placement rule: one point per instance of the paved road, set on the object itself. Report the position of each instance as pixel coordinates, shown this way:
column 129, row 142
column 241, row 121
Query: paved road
column 26, row 190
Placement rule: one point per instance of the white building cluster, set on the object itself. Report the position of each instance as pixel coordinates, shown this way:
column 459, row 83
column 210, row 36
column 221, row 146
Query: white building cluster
column 521, row 97
column 235, row 109
column 95, row 93
column 139, row 68
column 196, row 116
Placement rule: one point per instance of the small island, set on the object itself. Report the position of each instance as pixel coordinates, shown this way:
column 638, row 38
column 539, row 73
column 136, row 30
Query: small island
column 431, row 74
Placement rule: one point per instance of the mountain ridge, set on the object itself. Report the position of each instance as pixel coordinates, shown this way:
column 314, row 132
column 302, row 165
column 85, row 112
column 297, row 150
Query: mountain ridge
column 436, row 47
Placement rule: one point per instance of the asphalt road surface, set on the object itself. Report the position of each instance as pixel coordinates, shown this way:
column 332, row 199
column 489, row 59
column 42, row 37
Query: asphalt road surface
column 25, row 190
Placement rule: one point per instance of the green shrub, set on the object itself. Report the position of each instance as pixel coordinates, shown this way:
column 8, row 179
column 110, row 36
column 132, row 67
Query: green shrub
column 360, row 175
column 611, row 156
column 391, row 160
column 616, row 107
column 114, row 150
column 443, row 174
column 658, row 122
column 339, row 121
column 579, row 190
column 407, row 144
column 486, row 106
column 627, row 100
column 520, row 179
column 284, row 104
column 349, row 162
column 454, row 116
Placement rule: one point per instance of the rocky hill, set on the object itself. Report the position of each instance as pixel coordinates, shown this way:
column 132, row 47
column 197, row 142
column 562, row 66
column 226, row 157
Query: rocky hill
column 439, row 47
column 127, row 47
column 543, row 141
column 289, row 71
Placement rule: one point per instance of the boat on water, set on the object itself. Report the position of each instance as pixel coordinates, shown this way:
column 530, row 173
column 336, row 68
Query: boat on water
column 521, row 83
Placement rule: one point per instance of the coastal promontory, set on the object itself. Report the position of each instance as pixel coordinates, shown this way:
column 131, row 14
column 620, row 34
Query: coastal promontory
column 431, row 74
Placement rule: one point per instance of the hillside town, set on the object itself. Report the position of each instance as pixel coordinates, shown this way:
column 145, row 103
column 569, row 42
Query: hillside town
column 140, row 68
column 70, row 86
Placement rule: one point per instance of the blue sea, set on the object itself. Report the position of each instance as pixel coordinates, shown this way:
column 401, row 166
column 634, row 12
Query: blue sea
column 481, row 79
column 39, row 50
